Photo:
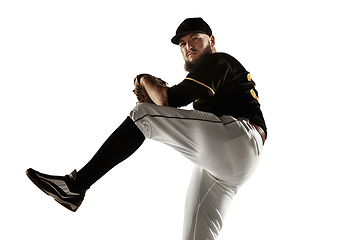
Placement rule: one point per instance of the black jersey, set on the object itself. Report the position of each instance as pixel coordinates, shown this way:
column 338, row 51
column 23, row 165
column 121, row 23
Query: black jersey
column 219, row 84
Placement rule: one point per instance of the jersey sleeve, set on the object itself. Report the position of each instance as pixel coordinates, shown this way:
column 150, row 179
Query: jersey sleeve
column 202, row 82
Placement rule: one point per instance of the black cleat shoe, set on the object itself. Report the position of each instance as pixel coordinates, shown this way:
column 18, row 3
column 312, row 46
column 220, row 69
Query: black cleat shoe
column 59, row 188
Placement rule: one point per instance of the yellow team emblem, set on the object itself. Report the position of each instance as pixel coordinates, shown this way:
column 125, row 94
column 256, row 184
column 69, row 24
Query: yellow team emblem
column 253, row 93
column 249, row 77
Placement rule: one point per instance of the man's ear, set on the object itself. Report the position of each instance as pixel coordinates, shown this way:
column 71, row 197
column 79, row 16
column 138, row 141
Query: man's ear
column 212, row 41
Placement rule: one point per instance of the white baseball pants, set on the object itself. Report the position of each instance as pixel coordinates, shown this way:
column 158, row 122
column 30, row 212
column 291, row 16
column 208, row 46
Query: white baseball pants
column 225, row 152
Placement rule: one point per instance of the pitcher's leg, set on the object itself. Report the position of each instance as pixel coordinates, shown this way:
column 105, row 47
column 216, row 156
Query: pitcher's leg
column 190, row 132
column 207, row 202
column 224, row 146
column 121, row 144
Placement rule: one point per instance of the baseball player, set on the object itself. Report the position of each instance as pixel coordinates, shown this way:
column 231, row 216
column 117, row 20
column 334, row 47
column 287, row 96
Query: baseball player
column 223, row 136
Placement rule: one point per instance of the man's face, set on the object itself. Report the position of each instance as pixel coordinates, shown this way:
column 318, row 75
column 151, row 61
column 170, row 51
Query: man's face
column 194, row 45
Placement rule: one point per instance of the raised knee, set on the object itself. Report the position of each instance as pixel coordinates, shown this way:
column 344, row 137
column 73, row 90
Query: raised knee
column 142, row 109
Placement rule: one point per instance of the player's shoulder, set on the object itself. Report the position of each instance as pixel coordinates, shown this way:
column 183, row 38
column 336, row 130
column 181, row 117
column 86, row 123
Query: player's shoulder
column 225, row 56
column 218, row 57
column 220, row 60
column 230, row 60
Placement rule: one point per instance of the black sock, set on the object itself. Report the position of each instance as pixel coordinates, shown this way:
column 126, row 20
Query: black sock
column 123, row 142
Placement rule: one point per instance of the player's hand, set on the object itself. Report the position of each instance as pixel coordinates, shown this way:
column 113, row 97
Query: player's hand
column 140, row 90
column 141, row 94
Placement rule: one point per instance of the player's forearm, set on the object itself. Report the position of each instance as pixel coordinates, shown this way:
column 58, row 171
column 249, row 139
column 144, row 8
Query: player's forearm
column 156, row 92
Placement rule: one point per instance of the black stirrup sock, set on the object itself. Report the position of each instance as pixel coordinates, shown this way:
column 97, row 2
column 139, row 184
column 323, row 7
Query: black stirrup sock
column 121, row 144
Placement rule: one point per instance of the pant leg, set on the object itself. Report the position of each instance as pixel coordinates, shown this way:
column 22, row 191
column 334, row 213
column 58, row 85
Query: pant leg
column 227, row 148
column 207, row 202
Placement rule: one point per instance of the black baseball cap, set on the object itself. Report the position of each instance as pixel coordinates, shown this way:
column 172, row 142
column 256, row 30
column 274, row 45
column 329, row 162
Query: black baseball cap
column 191, row 25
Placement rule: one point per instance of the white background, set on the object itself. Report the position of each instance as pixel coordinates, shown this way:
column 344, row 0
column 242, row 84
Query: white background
column 66, row 70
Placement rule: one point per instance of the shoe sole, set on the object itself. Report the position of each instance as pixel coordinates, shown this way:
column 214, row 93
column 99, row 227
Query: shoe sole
column 67, row 205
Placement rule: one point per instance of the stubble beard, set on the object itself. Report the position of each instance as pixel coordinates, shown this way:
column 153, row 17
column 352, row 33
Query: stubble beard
column 189, row 66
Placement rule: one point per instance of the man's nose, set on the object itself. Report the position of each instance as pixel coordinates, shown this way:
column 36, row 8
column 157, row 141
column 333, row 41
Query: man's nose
column 189, row 47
